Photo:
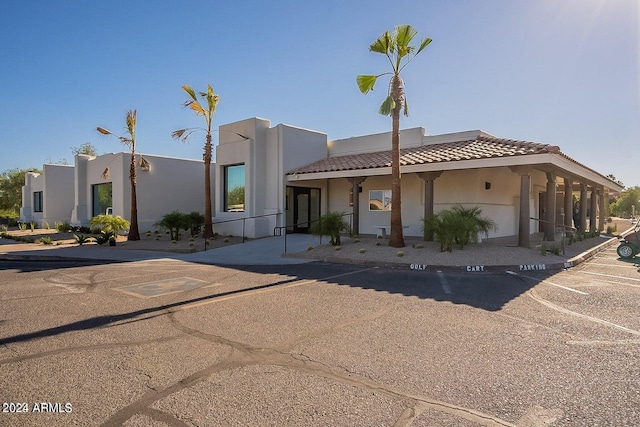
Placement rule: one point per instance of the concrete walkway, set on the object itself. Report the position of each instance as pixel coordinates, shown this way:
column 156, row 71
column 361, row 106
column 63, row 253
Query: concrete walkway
column 271, row 251
column 266, row 251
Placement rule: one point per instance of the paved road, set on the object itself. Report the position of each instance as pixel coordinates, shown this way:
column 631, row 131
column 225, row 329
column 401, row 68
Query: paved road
column 172, row 343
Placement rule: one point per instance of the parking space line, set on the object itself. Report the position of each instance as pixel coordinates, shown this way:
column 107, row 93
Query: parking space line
column 546, row 282
column 553, row 306
column 610, row 275
column 443, row 281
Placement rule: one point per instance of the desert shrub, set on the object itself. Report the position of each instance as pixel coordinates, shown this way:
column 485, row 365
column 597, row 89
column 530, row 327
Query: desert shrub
column 195, row 221
column 330, row 224
column 110, row 223
column 173, row 222
column 46, row 240
column 104, row 237
column 81, row 239
column 62, row 227
column 457, row 225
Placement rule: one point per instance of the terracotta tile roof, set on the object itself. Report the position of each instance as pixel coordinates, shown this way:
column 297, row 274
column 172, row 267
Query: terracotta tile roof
column 482, row 147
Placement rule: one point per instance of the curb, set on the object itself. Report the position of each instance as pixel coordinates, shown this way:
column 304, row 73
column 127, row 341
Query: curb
column 556, row 266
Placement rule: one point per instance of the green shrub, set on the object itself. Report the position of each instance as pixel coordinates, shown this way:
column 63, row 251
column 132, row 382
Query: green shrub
column 81, row 239
column 62, row 227
column 400, row 254
column 175, row 221
column 457, row 225
column 46, row 240
column 362, row 250
column 110, row 223
column 330, row 224
column 104, row 237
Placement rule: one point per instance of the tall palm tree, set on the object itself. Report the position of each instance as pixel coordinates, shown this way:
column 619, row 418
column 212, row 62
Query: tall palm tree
column 396, row 47
column 212, row 100
column 130, row 141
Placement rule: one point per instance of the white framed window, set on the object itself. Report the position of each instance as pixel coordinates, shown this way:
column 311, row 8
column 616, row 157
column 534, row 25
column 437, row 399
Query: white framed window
column 379, row 200
column 234, row 199
column 37, row 201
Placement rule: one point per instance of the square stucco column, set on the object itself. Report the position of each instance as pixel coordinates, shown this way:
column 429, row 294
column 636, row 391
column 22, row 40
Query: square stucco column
column 583, row 207
column 568, row 202
column 604, row 212
column 428, row 178
column 593, row 210
column 550, row 213
column 524, row 227
column 355, row 182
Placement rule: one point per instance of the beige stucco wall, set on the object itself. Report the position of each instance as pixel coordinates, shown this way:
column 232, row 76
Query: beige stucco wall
column 169, row 184
column 267, row 155
column 465, row 187
column 56, row 184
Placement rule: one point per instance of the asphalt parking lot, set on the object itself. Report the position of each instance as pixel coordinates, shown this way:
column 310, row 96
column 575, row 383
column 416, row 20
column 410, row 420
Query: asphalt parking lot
column 172, row 343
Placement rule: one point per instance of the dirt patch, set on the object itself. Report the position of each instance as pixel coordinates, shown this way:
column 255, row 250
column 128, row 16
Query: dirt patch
column 148, row 241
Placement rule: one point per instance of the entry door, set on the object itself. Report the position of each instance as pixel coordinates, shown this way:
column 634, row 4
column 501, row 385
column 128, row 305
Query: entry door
column 306, row 208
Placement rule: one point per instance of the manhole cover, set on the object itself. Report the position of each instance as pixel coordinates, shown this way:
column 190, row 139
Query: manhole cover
column 162, row 287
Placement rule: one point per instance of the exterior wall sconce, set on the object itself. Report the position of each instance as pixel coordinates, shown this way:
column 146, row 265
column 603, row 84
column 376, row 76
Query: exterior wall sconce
column 144, row 164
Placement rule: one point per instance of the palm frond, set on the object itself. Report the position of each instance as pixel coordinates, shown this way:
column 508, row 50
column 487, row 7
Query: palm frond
column 190, row 91
column 366, row 83
column 387, row 106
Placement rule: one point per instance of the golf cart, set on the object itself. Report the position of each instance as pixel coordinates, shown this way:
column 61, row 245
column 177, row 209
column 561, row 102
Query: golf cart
column 629, row 245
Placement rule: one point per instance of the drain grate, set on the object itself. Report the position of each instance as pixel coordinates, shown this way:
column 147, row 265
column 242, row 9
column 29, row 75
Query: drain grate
column 162, row 287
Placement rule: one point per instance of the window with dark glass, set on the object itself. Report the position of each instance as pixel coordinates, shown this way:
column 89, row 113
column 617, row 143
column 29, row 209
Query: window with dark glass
column 234, row 181
column 37, row 201
column 101, row 198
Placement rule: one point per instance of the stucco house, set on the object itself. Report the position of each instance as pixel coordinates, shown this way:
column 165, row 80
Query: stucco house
column 298, row 174
column 267, row 178
column 75, row 194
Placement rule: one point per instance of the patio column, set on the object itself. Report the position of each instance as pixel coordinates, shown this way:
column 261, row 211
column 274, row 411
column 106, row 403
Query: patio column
column 568, row 202
column 604, row 213
column 524, row 223
column 355, row 182
column 593, row 214
column 428, row 178
column 583, row 207
column 550, row 214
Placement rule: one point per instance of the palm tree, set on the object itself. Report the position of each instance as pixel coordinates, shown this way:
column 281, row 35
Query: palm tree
column 396, row 47
column 212, row 100
column 130, row 142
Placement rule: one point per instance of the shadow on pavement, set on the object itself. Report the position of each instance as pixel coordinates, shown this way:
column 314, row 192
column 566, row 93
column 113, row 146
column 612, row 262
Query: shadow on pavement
column 483, row 291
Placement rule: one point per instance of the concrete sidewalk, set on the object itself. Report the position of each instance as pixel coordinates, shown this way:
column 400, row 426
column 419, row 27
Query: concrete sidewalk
column 271, row 251
column 266, row 251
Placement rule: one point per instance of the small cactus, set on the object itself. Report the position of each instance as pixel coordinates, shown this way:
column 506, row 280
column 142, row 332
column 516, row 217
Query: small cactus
column 400, row 254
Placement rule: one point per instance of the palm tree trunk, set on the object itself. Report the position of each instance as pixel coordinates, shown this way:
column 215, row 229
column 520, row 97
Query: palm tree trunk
column 396, row 238
column 208, row 215
column 134, row 233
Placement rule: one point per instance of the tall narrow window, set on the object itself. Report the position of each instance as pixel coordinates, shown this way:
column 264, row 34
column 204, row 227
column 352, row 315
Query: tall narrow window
column 234, row 188
column 37, row 201
column 102, row 198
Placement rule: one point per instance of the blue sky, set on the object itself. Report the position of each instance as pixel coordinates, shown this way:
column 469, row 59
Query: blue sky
column 560, row 72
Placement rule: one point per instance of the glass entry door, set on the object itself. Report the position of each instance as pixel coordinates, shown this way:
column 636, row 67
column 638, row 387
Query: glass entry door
column 303, row 208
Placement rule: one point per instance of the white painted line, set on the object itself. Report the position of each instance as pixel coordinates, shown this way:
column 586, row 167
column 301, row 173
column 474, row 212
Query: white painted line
column 583, row 316
column 610, row 275
column 443, row 281
column 546, row 282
